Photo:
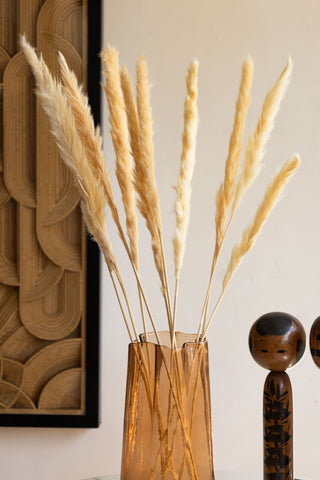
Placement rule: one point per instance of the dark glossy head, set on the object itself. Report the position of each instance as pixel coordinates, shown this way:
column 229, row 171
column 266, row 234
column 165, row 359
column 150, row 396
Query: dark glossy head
column 277, row 341
column 315, row 341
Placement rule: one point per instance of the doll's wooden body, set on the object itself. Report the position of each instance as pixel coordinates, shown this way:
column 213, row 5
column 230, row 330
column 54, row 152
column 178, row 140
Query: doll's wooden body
column 315, row 341
column 277, row 341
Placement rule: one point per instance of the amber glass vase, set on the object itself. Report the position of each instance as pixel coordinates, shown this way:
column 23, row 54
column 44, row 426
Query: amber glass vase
column 167, row 420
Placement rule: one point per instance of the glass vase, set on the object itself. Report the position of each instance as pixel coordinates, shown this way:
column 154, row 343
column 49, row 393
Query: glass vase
column 167, row 419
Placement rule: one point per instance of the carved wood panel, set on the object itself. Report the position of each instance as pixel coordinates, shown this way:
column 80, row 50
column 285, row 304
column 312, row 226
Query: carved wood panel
column 43, row 255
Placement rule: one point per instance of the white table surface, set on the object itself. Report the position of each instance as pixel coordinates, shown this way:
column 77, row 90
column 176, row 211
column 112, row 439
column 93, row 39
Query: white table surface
column 218, row 476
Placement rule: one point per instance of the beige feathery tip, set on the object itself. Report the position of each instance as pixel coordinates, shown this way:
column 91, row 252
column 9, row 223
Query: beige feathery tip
column 142, row 57
column 195, row 62
column 187, row 163
column 22, row 39
column 249, row 63
column 287, row 69
column 296, row 159
column 108, row 48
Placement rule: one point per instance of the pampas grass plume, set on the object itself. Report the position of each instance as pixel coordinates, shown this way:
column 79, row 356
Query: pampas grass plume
column 54, row 102
column 270, row 200
column 80, row 146
column 119, row 134
column 257, row 141
column 187, row 163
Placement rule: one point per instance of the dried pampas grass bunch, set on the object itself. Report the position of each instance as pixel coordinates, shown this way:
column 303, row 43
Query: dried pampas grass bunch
column 80, row 145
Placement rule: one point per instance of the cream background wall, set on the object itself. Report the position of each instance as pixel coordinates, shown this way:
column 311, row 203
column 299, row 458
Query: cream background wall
column 281, row 273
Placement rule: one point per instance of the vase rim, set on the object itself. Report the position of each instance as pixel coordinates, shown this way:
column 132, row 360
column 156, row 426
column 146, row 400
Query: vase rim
column 183, row 339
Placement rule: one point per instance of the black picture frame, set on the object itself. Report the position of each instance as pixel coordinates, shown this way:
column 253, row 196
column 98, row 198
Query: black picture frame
column 91, row 417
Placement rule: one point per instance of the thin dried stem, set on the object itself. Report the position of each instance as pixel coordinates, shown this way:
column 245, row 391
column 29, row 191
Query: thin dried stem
column 175, row 303
column 166, row 291
column 120, row 304
column 128, row 305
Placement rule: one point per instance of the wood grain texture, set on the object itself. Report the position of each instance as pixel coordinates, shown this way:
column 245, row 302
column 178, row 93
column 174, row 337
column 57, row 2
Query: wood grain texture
column 64, row 17
column 42, row 235
column 22, row 345
column 9, row 312
column 278, row 427
column 38, row 275
column 4, row 60
column 19, row 131
column 4, row 194
column 57, row 217
column 8, row 25
column 48, row 362
column 8, row 244
column 28, row 15
column 56, row 395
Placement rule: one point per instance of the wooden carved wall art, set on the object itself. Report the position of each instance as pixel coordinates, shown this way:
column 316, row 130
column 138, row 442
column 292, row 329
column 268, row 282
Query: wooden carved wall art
column 48, row 267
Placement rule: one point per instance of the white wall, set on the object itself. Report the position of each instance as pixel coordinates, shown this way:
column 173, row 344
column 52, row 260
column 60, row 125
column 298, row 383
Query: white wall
column 281, row 273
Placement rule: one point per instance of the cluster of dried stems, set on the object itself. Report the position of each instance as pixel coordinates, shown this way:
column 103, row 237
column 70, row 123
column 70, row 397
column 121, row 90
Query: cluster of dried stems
column 80, row 145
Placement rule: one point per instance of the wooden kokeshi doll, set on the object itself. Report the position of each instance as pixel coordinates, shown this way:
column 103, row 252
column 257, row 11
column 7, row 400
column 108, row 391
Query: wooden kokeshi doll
column 315, row 341
column 277, row 341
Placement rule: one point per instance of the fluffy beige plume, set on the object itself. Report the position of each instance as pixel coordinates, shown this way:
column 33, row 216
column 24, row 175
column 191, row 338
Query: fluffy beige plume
column 92, row 194
column 269, row 201
column 250, row 235
column 147, row 165
column 226, row 191
column 72, row 152
column 187, row 163
column 146, row 141
column 140, row 182
column 257, row 141
column 133, row 122
column 89, row 135
column 119, row 134
column 220, row 219
column 143, row 170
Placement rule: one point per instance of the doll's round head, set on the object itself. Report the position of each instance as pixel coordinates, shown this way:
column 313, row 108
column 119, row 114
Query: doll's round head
column 277, row 341
column 315, row 341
